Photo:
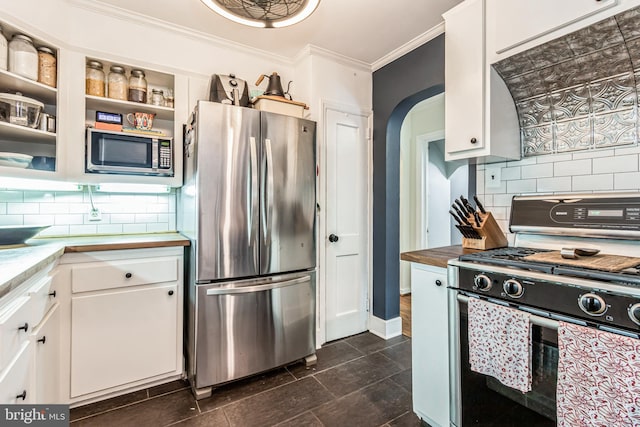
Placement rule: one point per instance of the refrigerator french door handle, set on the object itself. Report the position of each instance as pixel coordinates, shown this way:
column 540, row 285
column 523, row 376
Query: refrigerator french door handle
column 257, row 288
column 253, row 198
column 269, row 190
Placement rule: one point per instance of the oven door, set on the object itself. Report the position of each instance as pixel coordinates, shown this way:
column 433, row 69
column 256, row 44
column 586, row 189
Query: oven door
column 480, row 400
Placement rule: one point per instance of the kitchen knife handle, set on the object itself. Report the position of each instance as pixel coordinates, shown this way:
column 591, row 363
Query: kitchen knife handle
column 462, row 207
column 476, row 216
column 462, row 216
column 455, row 217
column 479, row 204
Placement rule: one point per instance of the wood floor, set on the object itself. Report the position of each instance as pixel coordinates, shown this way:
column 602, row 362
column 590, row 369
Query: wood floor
column 405, row 314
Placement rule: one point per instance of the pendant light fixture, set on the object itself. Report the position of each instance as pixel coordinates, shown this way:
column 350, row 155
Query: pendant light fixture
column 264, row 13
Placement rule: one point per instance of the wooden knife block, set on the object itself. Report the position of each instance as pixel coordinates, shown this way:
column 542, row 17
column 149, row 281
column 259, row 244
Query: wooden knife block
column 490, row 232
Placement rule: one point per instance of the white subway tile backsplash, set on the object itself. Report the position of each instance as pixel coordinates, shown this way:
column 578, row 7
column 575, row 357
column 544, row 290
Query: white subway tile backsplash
column 54, row 208
column 572, row 167
column 134, row 228
column 11, row 220
column 510, row 173
column 500, row 213
column 39, row 197
column 543, row 170
column 590, row 154
column 157, row 228
column 627, row 181
column 79, row 230
column 3, row 208
column 552, row 158
column 496, row 190
column 109, row 228
column 157, row 208
column 521, row 186
column 146, row 218
column 69, row 219
column 123, row 218
column 38, row 219
column 550, row 185
column 69, row 197
column 23, row 208
column 56, row 230
column 11, row 196
column 501, row 200
column 627, row 150
column 628, row 163
column 592, row 182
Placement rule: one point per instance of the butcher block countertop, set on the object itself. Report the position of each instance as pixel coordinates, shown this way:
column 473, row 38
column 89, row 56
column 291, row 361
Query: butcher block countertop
column 436, row 257
column 20, row 262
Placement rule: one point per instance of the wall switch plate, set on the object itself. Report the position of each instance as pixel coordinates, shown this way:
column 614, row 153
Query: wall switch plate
column 492, row 176
column 95, row 215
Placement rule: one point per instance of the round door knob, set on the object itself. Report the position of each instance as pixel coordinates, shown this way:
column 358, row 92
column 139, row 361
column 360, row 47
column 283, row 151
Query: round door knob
column 513, row 288
column 474, row 140
column 170, row 292
column 592, row 304
column 438, row 282
column 128, row 275
column 482, row 282
column 333, row 238
column 634, row 313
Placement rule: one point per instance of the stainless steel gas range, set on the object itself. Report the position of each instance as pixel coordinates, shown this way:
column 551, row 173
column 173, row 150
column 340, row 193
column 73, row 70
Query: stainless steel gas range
column 576, row 260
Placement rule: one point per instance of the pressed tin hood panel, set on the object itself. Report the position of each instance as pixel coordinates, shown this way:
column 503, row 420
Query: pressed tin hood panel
column 579, row 91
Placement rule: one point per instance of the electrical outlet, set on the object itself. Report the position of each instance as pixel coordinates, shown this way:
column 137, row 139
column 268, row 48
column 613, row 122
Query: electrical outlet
column 492, row 176
column 95, row 215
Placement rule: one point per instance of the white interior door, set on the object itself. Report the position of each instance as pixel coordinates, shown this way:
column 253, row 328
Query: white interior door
column 346, row 224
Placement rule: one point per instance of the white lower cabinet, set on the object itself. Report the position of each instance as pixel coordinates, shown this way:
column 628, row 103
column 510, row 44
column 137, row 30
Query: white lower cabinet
column 430, row 344
column 16, row 378
column 45, row 341
column 124, row 320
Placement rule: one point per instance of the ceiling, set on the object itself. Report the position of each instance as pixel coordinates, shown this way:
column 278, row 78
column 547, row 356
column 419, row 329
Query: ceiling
column 365, row 30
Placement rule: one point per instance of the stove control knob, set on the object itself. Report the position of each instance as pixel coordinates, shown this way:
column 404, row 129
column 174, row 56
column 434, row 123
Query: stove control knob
column 592, row 304
column 634, row 313
column 482, row 282
column 513, row 288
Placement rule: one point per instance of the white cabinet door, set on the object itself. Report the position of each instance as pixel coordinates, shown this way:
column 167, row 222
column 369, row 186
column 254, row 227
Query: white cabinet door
column 518, row 21
column 46, row 344
column 429, row 342
column 124, row 335
column 15, row 380
column 464, row 77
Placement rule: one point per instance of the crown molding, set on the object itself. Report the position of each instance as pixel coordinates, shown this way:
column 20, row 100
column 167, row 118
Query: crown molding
column 408, row 47
column 310, row 50
column 126, row 15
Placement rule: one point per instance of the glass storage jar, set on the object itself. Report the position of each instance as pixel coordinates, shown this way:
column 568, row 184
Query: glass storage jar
column 137, row 87
column 117, row 83
column 168, row 99
column 46, row 66
column 3, row 51
column 23, row 57
column 157, row 97
column 95, row 78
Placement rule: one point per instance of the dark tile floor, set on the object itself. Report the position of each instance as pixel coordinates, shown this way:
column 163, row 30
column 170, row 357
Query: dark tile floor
column 358, row 381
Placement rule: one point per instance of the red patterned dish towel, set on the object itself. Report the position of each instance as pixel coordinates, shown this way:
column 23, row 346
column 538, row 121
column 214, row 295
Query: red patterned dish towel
column 598, row 378
column 500, row 343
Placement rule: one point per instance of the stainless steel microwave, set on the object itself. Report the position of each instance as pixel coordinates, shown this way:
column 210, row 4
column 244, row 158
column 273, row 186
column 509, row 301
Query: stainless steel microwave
column 128, row 154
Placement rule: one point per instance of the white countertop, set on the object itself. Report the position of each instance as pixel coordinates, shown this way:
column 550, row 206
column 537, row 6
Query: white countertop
column 18, row 263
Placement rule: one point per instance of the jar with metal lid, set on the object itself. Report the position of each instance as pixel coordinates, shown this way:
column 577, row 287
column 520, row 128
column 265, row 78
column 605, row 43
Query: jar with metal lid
column 23, row 57
column 46, row 66
column 157, row 97
column 94, row 79
column 168, row 98
column 137, row 86
column 3, row 51
column 117, row 83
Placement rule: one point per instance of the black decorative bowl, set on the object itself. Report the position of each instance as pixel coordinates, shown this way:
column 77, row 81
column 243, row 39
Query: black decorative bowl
column 17, row 234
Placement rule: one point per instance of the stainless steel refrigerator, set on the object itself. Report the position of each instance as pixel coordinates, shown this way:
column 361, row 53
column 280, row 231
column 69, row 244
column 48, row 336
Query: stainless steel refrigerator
column 248, row 205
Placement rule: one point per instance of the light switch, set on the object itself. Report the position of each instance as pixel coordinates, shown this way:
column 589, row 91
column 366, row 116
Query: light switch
column 492, row 176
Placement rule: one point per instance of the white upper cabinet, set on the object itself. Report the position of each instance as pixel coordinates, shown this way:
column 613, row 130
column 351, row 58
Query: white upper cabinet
column 516, row 25
column 480, row 115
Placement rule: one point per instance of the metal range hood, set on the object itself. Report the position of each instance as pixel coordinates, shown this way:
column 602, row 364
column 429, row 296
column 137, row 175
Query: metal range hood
column 579, row 91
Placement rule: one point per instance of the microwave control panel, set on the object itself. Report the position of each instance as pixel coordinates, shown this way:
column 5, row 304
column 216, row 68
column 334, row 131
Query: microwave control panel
column 165, row 155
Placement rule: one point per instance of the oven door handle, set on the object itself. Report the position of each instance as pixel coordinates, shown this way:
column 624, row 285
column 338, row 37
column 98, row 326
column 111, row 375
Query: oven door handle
column 535, row 320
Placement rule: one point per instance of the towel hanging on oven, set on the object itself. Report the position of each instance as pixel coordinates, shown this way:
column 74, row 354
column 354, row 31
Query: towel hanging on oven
column 598, row 378
column 500, row 343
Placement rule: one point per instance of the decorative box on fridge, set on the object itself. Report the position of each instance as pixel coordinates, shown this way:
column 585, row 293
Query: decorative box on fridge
column 280, row 105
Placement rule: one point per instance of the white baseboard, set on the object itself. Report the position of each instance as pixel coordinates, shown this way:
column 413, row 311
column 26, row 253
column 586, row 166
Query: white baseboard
column 405, row 291
column 385, row 328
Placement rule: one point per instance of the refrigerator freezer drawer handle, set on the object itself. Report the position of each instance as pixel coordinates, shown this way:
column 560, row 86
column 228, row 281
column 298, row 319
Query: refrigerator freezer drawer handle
column 258, row 288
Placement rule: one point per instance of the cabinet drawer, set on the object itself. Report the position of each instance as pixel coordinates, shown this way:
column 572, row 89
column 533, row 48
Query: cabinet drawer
column 15, row 380
column 16, row 322
column 116, row 274
column 42, row 298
